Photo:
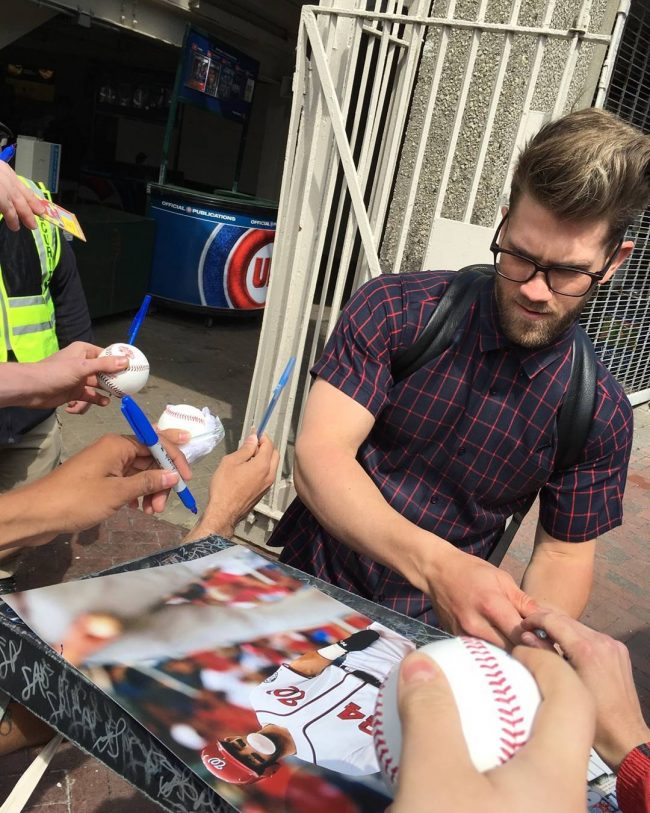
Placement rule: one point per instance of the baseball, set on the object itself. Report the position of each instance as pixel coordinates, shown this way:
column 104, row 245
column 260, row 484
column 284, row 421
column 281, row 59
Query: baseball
column 183, row 416
column 496, row 696
column 129, row 381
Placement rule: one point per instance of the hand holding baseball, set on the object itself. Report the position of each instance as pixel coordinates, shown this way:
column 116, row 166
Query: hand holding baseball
column 604, row 666
column 548, row 773
column 18, row 204
column 68, row 375
column 130, row 378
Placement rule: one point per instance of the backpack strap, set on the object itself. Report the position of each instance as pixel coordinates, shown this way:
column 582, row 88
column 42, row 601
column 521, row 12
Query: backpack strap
column 573, row 423
column 577, row 409
column 439, row 331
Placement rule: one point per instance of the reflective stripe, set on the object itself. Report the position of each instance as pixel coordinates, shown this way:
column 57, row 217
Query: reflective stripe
column 25, row 301
column 21, row 331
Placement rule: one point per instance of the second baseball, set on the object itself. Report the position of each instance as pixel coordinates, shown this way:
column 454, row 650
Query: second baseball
column 130, row 380
column 496, row 696
column 183, row 416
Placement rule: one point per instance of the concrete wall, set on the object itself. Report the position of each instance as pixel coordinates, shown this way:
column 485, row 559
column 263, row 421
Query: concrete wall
column 509, row 112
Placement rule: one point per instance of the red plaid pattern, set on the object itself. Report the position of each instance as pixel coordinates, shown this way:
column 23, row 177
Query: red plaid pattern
column 459, row 445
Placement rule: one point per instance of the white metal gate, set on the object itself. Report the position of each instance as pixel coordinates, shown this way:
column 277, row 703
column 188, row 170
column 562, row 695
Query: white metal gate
column 398, row 117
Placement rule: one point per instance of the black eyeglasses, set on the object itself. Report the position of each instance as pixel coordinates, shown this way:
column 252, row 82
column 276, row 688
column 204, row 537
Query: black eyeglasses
column 559, row 278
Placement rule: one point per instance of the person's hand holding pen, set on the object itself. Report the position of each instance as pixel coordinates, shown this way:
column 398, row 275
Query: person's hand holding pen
column 88, row 488
column 18, row 204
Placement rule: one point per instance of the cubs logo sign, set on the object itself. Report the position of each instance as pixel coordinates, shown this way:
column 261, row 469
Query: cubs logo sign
column 236, row 265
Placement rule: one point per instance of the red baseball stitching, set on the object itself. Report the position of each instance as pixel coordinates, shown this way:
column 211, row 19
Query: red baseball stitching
column 390, row 768
column 184, row 416
column 512, row 735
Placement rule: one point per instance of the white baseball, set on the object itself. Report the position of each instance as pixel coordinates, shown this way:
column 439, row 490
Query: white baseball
column 183, row 416
column 130, row 380
column 496, row 696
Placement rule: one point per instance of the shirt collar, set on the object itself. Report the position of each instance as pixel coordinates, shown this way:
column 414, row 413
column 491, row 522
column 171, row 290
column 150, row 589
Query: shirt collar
column 491, row 337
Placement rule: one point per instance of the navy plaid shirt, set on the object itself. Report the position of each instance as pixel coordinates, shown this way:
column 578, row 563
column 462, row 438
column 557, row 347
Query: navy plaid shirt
column 458, row 446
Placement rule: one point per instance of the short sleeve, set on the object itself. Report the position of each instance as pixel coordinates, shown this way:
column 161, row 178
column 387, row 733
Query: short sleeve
column 586, row 500
column 356, row 358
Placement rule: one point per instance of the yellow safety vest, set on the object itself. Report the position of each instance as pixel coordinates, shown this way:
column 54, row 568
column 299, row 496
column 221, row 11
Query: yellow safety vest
column 27, row 323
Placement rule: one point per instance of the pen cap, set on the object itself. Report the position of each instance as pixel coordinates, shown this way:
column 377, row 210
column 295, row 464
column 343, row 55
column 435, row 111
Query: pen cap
column 138, row 421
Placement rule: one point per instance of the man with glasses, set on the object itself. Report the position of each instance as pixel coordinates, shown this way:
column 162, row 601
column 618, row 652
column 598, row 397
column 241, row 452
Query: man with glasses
column 404, row 488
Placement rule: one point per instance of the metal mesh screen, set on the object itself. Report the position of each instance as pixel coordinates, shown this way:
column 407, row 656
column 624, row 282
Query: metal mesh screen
column 618, row 319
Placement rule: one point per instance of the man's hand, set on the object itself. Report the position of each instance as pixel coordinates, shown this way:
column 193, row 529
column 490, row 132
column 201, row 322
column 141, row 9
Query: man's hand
column 604, row 666
column 18, row 204
column 69, row 375
column 88, row 488
column 548, row 773
column 240, row 481
column 473, row 597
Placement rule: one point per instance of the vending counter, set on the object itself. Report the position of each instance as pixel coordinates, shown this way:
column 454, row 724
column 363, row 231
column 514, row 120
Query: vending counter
column 212, row 252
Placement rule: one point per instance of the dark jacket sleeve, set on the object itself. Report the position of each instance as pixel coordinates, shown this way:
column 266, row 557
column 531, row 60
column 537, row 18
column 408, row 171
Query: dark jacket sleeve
column 70, row 306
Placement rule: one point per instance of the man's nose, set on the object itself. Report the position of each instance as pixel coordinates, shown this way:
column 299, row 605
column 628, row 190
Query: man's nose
column 536, row 289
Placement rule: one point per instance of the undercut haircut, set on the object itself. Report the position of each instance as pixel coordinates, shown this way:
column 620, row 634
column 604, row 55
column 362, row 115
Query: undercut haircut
column 586, row 166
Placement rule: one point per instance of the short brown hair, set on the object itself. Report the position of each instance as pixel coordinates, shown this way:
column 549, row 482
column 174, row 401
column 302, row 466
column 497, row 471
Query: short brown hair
column 586, row 166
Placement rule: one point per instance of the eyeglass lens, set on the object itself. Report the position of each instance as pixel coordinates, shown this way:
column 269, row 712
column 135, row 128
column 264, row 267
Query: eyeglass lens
column 559, row 280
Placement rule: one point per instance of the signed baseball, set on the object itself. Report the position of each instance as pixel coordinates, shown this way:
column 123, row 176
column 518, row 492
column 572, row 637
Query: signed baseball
column 496, row 696
column 183, row 416
column 130, row 380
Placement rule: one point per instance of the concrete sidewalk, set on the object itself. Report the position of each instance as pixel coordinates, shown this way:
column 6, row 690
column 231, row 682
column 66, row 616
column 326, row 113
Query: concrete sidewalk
column 193, row 364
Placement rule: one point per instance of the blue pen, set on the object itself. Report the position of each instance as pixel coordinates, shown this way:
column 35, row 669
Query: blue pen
column 146, row 434
column 139, row 319
column 274, row 397
column 8, row 153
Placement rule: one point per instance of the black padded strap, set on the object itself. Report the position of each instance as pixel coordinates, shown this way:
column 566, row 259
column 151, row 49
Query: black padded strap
column 437, row 335
column 577, row 410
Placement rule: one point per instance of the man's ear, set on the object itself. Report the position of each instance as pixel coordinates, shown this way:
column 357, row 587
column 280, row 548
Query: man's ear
column 621, row 255
column 504, row 210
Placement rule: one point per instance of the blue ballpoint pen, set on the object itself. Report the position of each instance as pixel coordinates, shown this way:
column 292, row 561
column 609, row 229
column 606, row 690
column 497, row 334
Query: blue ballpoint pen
column 8, row 153
column 274, row 397
column 146, row 434
column 139, row 319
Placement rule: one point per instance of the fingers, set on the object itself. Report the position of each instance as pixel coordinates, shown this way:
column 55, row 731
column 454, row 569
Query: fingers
column 563, row 630
column 152, row 482
column 564, row 726
column 77, row 407
column 435, row 763
column 175, row 436
column 17, row 202
column 105, row 364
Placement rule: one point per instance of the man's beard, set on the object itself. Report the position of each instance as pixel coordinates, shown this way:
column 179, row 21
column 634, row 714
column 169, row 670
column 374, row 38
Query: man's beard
column 535, row 334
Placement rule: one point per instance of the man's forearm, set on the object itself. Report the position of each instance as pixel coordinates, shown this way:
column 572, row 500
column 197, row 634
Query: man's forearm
column 19, row 384
column 348, row 505
column 559, row 580
column 22, row 519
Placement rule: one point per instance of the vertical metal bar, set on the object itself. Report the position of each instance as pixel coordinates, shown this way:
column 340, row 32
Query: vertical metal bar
column 612, row 51
column 487, row 134
column 343, row 145
column 422, row 145
column 530, row 92
column 572, row 58
column 460, row 111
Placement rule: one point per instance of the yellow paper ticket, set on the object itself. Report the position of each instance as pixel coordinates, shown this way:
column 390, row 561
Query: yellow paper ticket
column 63, row 219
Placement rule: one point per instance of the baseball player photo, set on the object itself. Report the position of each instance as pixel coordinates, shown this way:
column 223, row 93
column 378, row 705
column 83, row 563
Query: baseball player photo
column 319, row 708
column 261, row 684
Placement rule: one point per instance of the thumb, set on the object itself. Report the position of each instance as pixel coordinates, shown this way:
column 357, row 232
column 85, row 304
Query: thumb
column 105, row 364
column 147, row 482
column 248, row 449
column 433, row 744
